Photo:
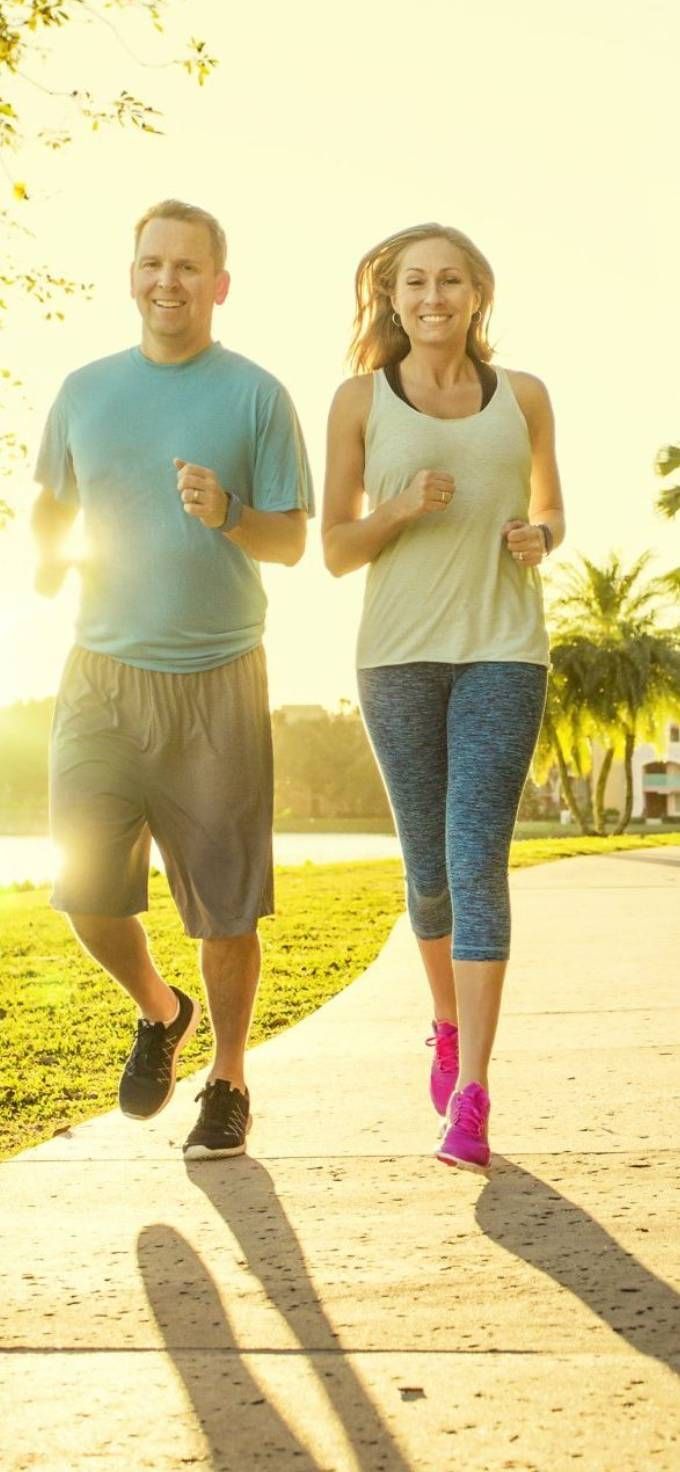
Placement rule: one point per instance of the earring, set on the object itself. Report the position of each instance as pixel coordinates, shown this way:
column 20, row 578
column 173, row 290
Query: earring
column 476, row 316
column 396, row 319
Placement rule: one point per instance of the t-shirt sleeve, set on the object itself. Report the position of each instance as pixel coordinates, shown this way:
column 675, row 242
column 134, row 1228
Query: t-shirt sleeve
column 54, row 465
column 282, row 479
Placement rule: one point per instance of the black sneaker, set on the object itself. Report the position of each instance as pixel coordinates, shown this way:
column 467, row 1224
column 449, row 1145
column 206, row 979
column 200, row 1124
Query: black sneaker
column 148, row 1079
column 223, row 1122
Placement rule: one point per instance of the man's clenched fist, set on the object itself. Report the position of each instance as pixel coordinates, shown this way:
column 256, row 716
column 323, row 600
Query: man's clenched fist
column 202, row 494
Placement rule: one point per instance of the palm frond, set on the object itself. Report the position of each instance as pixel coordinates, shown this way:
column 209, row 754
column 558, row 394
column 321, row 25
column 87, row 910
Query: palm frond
column 668, row 503
column 667, row 460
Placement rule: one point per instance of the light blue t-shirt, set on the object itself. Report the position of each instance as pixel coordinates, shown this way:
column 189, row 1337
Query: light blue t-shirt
column 159, row 589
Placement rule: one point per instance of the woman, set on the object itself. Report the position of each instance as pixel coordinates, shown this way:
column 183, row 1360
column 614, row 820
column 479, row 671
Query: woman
column 457, row 462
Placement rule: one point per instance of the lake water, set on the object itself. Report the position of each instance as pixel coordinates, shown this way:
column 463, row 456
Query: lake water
column 35, row 859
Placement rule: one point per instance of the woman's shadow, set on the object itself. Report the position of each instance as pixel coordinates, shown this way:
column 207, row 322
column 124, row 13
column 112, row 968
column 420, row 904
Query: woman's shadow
column 241, row 1427
column 529, row 1218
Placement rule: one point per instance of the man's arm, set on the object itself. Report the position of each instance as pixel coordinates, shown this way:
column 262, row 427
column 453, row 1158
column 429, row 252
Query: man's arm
column 268, row 536
column 271, row 536
column 51, row 521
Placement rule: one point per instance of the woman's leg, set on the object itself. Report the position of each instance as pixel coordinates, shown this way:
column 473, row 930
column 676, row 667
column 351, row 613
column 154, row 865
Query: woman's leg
column 439, row 969
column 405, row 711
column 495, row 713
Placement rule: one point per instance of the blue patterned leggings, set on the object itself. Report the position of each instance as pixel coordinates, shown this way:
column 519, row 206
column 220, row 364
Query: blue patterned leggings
column 454, row 743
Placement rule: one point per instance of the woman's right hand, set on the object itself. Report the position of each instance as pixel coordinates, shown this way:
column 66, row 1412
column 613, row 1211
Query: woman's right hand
column 430, row 490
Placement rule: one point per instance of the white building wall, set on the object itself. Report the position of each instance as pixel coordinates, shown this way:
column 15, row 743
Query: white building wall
column 615, row 790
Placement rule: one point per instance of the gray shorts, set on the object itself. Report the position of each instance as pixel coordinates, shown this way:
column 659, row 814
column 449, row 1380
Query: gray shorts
column 186, row 759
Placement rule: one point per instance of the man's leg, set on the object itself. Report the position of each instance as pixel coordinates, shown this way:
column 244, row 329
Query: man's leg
column 100, row 737
column 119, row 944
column 210, row 811
column 231, row 971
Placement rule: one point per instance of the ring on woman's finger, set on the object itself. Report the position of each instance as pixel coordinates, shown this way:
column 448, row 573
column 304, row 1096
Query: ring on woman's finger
column 520, row 557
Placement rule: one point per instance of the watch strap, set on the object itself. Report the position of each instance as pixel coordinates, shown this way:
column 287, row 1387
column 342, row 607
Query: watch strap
column 233, row 513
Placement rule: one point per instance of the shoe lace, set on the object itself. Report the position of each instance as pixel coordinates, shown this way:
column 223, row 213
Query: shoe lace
column 468, row 1114
column 203, row 1097
column 446, row 1048
column 209, row 1097
column 215, row 1098
column 152, row 1049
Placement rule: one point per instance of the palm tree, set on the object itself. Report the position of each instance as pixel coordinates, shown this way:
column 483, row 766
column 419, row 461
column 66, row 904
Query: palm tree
column 616, row 661
column 668, row 461
column 566, row 732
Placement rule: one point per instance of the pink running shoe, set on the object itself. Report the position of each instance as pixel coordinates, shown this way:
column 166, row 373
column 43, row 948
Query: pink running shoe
column 444, row 1072
column 465, row 1141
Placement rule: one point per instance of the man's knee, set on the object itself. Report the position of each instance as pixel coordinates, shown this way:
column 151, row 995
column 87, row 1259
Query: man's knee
column 221, row 953
column 92, row 927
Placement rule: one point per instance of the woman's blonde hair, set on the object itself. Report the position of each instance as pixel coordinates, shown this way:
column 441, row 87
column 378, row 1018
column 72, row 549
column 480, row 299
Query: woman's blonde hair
column 378, row 340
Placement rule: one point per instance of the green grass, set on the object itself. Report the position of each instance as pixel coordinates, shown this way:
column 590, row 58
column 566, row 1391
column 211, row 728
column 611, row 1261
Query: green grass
column 67, row 1028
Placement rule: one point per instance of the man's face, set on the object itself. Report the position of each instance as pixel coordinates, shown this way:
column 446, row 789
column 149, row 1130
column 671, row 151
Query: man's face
column 176, row 284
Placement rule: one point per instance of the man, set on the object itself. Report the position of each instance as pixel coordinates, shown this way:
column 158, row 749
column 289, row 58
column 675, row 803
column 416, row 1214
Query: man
column 189, row 466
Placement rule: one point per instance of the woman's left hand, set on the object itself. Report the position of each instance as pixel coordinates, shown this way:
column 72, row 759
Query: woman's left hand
column 524, row 542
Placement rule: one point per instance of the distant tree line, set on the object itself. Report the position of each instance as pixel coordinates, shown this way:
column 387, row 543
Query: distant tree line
column 24, row 738
column 614, row 683
column 324, row 767
column 323, row 762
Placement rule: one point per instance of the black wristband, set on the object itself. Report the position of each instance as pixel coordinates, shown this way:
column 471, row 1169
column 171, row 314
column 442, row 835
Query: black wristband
column 547, row 536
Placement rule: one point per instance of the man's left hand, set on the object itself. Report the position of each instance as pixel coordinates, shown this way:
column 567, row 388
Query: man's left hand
column 202, row 494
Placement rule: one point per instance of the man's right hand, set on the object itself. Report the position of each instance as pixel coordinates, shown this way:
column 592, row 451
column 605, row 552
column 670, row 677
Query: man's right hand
column 430, row 490
column 50, row 576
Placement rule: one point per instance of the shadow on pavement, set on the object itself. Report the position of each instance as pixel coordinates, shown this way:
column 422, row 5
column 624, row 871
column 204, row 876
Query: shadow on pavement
column 668, row 857
column 529, row 1218
column 240, row 1426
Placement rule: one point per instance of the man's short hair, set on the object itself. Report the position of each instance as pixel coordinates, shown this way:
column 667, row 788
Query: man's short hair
column 175, row 209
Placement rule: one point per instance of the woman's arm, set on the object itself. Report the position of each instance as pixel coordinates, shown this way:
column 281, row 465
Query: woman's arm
column 527, row 541
column 546, row 506
column 351, row 539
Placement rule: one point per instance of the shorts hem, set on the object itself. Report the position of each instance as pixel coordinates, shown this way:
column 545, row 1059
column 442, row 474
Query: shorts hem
column 103, row 911
column 479, row 955
column 224, row 930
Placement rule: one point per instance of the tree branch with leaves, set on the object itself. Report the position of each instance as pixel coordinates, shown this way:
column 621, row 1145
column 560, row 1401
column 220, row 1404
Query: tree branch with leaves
column 27, row 32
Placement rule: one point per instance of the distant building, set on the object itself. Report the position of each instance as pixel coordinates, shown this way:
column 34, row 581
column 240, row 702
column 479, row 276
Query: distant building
column 294, row 714
column 656, row 784
column 656, row 780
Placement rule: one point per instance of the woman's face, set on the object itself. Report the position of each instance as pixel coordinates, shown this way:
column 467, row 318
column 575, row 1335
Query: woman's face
column 434, row 293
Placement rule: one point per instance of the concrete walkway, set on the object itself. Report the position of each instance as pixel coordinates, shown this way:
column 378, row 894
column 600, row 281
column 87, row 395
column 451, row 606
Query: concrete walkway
column 339, row 1301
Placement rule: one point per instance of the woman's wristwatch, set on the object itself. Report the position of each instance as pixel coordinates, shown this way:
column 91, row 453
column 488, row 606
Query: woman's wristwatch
column 547, row 536
column 233, row 513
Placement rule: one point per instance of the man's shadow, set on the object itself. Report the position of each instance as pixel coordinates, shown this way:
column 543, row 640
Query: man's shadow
column 241, row 1428
column 531, row 1219
column 522, row 1214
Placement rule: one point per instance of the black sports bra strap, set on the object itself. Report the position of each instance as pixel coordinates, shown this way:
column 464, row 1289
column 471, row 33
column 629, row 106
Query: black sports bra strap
column 487, row 375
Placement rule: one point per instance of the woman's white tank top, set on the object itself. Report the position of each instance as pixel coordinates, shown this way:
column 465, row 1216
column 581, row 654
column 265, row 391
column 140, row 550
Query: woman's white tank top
column 447, row 587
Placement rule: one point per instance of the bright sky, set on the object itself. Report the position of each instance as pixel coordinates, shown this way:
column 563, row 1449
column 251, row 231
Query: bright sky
column 547, row 132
